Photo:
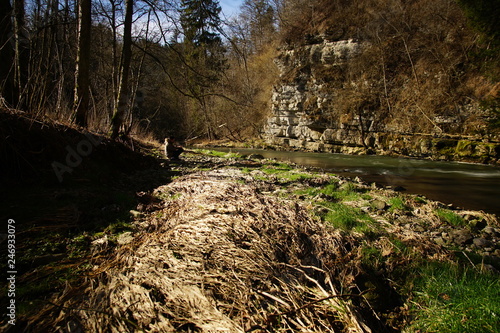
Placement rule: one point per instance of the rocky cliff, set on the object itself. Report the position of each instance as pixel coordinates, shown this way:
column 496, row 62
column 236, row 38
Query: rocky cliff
column 317, row 105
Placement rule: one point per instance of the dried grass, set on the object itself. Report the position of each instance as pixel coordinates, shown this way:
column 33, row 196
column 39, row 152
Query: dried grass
column 220, row 257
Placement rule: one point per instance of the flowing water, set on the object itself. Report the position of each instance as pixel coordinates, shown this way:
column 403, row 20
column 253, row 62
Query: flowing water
column 469, row 186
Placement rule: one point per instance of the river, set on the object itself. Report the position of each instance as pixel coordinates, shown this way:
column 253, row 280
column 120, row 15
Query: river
column 465, row 185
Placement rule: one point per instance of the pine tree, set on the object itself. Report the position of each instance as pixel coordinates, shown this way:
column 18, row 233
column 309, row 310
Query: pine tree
column 203, row 55
column 200, row 21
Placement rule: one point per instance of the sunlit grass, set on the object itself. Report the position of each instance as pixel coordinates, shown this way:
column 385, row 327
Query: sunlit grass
column 283, row 172
column 450, row 217
column 451, row 299
column 344, row 192
column 348, row 192
column 397, row 204
column 216, row 153
column 347, row 218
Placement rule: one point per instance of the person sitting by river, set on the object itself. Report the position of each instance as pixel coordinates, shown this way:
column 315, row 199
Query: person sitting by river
column 172, row 150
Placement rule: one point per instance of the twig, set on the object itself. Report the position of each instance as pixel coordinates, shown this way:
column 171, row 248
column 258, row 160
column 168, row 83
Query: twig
column 474, row 266
column 309, row 278
column 274, row 298
column 79, row 309
column 321, row 300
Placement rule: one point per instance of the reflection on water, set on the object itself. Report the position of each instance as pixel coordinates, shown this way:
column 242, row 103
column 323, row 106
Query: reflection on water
column 469, row 186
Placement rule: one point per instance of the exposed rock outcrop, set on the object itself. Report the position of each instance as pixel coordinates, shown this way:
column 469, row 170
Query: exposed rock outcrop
column 309, row 112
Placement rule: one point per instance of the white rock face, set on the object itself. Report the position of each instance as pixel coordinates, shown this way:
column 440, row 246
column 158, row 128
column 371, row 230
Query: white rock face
column 305, row 111
column 336, row 53
column 300, row 92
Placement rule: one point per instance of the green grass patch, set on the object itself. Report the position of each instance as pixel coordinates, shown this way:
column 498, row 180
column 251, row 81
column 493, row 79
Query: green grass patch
column 296, row 176
column 118, row 227
column 400, row 246
column 221, row 154
column 371, row 256
column 276, row 169
column 344, row 192
column 347, row 218
column 397, row 204
column 278, row 166
column 450, row 217
column 329, row 190
column 453, row 299
column 347, row 192
column 246, row 170
column 283, row 173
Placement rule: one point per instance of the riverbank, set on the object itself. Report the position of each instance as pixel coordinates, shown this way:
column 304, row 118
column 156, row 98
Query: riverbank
column 419, row 146
column 423, row 146
column 255, row 245
column 467, row 185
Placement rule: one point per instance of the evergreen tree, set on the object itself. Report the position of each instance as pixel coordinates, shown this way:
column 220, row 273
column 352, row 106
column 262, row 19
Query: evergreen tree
column 201, row 24
column 204, row 57
column 200, row 21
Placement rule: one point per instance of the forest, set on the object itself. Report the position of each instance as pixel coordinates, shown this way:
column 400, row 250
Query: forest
column 160, row 67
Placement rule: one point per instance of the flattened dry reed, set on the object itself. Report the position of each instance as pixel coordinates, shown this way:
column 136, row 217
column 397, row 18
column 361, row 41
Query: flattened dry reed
column 220, row 257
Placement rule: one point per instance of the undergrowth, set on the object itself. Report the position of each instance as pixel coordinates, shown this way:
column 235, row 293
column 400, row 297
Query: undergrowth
column 279, row 172
column 397, row 204
column 440, row 296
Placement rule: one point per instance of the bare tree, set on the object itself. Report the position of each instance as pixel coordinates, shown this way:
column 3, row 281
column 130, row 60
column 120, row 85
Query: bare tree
column 82, row 80
column 123, row 89
column 20, row 59
column 6, row 53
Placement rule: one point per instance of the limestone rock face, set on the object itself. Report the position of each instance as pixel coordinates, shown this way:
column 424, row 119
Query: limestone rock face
column 301, row 97
column 308, row 111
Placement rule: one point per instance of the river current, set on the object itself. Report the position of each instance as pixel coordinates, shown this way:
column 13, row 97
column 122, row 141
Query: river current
column 466, row 185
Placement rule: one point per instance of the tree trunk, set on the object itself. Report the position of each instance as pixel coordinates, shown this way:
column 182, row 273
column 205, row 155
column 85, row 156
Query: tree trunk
column 122, row 98
column 20, row 52
column 82, row 81
column 6, row 53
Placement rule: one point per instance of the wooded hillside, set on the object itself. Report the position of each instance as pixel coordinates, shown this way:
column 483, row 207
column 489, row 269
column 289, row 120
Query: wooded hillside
column 424, row 66
column 180, row 68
